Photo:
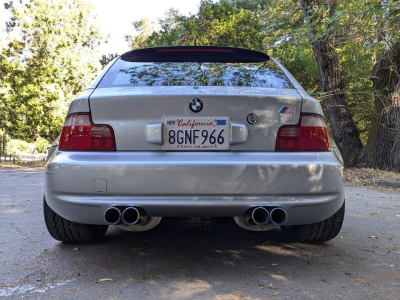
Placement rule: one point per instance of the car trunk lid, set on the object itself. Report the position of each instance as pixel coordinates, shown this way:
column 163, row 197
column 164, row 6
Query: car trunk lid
column 129, row 109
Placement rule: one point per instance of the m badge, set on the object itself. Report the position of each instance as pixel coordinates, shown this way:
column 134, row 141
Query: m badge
column 287, row 110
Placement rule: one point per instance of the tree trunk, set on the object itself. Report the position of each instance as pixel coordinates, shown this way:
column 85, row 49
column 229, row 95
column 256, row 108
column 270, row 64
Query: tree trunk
column 343, row 129
column 383, row 147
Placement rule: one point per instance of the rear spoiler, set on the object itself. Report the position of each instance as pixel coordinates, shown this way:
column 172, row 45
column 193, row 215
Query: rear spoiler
column 195, row 54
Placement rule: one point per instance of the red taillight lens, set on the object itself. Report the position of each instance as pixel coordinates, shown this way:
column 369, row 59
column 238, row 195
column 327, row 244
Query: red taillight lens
column 310, row 134
column 80, row 134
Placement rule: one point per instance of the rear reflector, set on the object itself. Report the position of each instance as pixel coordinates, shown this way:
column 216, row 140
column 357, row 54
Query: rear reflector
column 310, row 134
column 80, row 134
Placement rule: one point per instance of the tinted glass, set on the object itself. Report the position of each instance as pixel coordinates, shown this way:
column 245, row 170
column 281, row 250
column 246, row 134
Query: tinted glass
column 264, row 74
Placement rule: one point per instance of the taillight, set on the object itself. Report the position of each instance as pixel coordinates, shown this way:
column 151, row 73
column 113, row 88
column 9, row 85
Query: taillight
column 80, row 134
column 310, row 134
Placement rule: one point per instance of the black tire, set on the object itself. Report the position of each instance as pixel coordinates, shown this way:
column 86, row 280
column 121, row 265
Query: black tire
column 317, row 232
column 71, row 232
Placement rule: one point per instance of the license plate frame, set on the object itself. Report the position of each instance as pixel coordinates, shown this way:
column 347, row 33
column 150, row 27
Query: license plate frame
column 191, row 133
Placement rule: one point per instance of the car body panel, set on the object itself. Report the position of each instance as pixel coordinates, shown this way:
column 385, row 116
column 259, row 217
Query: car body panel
column 129, row 110
column 81, row 103
column 81, row 186
column 201, row 183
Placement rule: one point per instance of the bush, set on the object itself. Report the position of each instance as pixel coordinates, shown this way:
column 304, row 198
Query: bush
column 41, row 145
column 21, row 147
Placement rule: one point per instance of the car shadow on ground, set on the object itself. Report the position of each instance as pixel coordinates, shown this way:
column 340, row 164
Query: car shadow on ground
column 225, row 254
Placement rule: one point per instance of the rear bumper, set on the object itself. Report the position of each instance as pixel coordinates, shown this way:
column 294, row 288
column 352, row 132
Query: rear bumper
column 81, row 186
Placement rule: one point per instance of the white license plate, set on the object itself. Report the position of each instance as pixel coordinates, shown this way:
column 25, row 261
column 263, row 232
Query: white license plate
column 197, row 133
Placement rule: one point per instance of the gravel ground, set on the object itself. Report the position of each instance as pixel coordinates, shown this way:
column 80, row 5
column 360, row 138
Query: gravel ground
column 223, row 263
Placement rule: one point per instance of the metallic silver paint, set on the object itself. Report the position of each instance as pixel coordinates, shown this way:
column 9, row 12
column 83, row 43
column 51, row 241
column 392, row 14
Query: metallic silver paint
column 128, row 110
column 81, row 103
column 309, row 186
column 310, row 104
column 180, row 184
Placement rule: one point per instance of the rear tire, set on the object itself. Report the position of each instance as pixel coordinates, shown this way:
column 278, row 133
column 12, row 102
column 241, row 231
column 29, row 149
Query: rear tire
column 71, row 232
column 317, row 232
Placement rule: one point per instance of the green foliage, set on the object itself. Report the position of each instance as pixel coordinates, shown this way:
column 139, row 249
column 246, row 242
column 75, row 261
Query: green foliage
column 16, row 146
column 220, row 23
column 19, row 147
column 171, row 32
column 41, row 145
column 105, row 59
column 143, row 29
column 225, row 24
column 49, row 60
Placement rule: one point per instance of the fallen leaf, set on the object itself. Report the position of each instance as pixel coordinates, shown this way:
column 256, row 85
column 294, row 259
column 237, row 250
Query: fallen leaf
column 274, row 264
column 105, row 279
column 372, row 237
column 309, row 263
column 397, row 215
column 75, row 249
column 40, row 291
column 369, row 213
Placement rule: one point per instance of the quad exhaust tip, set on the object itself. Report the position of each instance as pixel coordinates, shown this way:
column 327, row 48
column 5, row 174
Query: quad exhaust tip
column 112, row 216
column 278, row 216
column 130, row 216
column 260, row 216
column 264, row 215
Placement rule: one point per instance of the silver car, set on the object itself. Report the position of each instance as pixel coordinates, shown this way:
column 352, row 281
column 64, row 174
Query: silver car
column 194, row 133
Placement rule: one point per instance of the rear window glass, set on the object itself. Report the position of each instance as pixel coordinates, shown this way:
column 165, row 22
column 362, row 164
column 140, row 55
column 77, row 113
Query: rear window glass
column 264, row 74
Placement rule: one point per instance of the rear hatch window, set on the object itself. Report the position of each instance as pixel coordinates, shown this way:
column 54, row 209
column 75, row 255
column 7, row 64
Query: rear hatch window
column 195, row 66
column 264, row 74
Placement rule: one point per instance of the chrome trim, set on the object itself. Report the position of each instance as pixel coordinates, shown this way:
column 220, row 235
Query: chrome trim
column 154, row 133
column 109, row 211
column 276, row 219
column 130, row 216
column 239, row 133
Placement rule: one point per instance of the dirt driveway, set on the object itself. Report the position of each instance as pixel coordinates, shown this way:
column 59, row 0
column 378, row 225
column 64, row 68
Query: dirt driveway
column 223, row 263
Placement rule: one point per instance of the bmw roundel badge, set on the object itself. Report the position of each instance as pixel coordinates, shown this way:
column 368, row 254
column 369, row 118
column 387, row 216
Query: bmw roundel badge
column 252, row 119
column 196, row 105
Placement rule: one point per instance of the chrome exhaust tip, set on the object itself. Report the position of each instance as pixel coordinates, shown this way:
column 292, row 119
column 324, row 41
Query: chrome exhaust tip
column 130, row 216
column 278, row 216
column 112, row 216
column 260, row 216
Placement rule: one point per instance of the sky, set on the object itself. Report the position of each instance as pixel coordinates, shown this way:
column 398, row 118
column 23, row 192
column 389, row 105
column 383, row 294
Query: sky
column 115, row 17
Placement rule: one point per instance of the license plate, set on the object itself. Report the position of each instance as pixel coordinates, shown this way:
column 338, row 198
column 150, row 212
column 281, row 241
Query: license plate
column 199, row 133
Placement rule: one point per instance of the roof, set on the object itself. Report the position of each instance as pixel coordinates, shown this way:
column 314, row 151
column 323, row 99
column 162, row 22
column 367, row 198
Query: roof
column 195, row 54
